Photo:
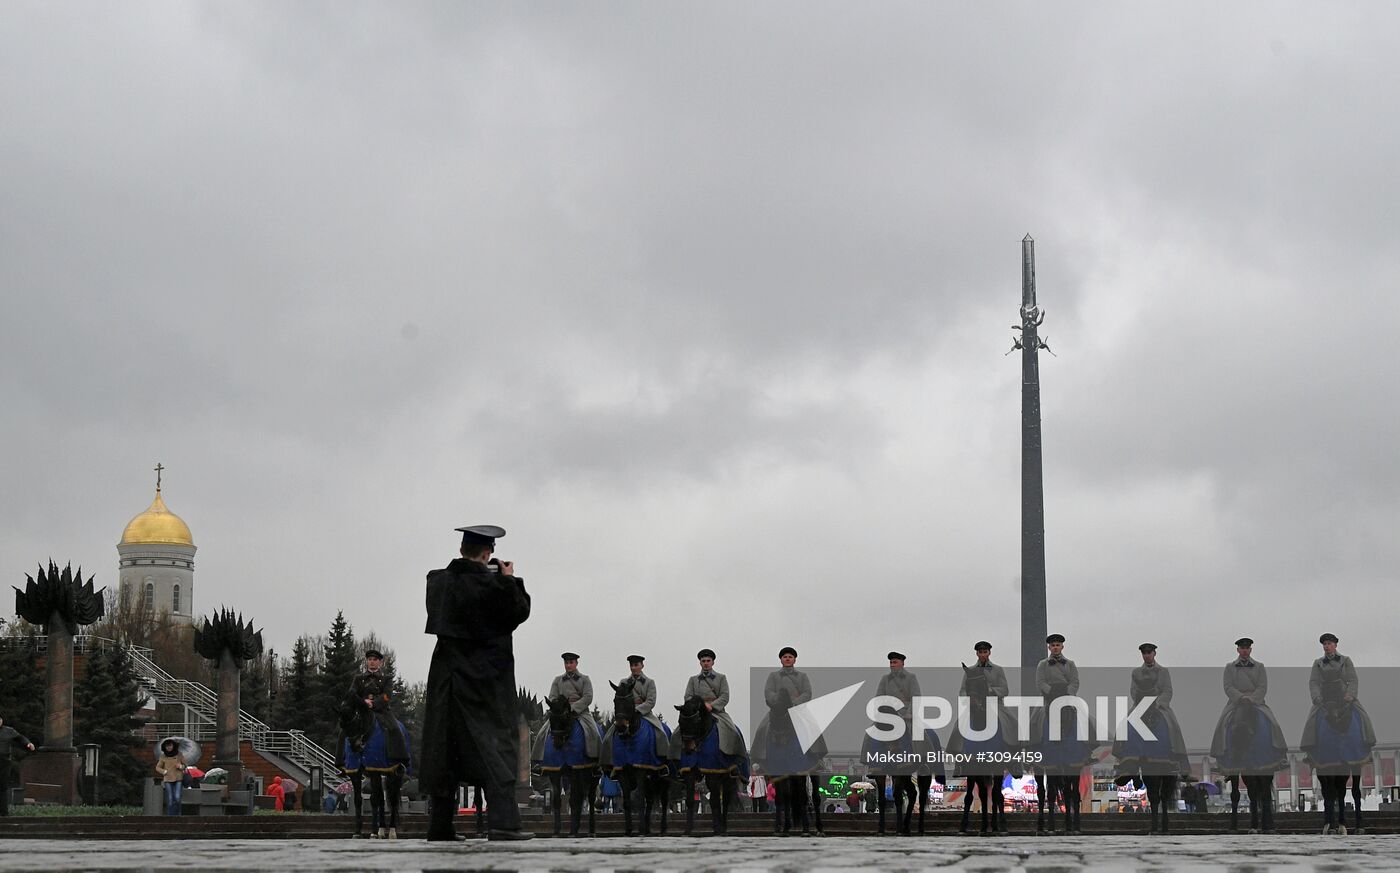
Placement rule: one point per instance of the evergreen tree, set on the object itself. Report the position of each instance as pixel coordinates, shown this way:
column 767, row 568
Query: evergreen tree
column 105, row 703
column 412, row 700
column 256, row 685
column 21, row 681
column 290, row 711
column 339, row 666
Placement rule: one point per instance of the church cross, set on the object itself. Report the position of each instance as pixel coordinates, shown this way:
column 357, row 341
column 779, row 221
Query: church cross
column 159, row 468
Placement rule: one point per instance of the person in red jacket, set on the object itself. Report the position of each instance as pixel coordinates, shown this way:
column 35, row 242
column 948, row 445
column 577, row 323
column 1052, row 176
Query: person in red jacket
column 276, row 791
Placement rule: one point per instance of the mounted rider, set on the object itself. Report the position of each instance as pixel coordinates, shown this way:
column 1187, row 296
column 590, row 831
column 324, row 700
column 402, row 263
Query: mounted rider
column 374, row 690
column 786, row 688
column 713, row 688
column 997, row 687
column 1246, row 679
column 577, row 689
column 1167, row 755
column 644, row 696
column 1334, row 670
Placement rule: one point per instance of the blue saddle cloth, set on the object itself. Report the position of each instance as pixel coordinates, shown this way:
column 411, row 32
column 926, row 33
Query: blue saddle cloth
column 1341, row 751
column 707, row 758
column 995, row 751
column 574, row 754
column 639, row 750
column 374, row 757
column 1137, row 747
column 786, row 758
column 1066, row 755
column 1259, row 756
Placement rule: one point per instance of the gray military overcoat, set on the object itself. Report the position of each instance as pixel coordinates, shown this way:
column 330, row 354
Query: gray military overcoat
column 578, row 690
column 1338, row 667
column 1245, row 679
column 644, row 695
column 714, row 690
column 998, row 687
column 1154, row 681
column 799, row 690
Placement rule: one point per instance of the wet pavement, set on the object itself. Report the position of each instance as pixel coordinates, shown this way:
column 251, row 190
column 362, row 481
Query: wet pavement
column 1087, row 854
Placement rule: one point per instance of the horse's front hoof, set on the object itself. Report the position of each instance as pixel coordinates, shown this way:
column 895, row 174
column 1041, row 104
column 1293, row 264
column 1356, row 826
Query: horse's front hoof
column 393, row 833
column 383, row 833
column 1342, row 831
column 1254, row 830
column 1359, row 831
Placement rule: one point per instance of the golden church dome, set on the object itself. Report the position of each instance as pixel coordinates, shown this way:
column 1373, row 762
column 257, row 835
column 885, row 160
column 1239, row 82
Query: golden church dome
column 157, row 525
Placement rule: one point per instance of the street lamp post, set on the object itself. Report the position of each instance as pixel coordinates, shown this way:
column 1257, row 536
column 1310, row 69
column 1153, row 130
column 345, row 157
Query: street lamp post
column 92, row 759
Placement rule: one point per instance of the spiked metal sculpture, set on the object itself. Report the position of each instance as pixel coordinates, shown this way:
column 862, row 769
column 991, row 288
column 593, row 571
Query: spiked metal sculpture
column 227, row 641
column 61, row 603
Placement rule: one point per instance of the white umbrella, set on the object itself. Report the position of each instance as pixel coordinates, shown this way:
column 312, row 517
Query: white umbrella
column 189, row 750
column 862, row 786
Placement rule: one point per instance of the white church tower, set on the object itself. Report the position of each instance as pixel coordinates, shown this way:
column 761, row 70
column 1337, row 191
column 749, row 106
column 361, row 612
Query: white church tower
column 157, row 561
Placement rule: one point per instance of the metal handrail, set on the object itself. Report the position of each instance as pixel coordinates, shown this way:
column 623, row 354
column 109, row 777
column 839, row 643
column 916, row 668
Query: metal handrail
column 291, row 744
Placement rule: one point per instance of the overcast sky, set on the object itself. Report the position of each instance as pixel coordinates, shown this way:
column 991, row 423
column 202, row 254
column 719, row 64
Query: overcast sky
column 707, row 305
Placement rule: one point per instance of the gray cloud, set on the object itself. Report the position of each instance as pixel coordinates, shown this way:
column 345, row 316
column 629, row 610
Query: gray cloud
column 707, row 305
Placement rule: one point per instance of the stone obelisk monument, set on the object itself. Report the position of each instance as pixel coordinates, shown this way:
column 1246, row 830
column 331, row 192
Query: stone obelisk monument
column 1033, row 618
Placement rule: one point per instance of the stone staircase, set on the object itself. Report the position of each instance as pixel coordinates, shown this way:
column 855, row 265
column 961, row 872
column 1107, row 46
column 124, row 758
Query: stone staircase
column 289, row 751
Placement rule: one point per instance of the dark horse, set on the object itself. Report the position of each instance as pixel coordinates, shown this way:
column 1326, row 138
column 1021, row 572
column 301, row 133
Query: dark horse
column 909, row 763
column 635, row 761
column 1338, row 756
column 364, row 753
column 1152, row 762
column 983, row 778
column 701, row 756
column 1248, row 754
column 1061, row 761
column 790, row 770
column 565, row 754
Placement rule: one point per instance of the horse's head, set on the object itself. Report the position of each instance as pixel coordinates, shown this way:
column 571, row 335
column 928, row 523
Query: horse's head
column 1244, row 724
column 696, row 720
column 1057, row 690
column 561, row 719
column 1335, row 706
column 779, row 717
column 979, row 688
column 624, row 707
column 1146, row 686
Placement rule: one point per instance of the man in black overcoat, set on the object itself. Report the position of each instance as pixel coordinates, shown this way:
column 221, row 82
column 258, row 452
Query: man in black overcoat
column 470, row 732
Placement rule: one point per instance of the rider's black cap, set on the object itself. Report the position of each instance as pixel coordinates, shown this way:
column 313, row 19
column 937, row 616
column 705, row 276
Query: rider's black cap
column 1055, row 638
column 1147, row 647
column 1328, row 638
column 705, row 653
column 481, row 534
column 570, row 656
column 635, row 659
column 1245, row 642
column 896, row 656
column 980, row 645
column 374, row 653
column 787, row 650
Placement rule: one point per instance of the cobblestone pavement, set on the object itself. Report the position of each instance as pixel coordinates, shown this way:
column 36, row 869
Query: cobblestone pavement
column 1120, row 854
